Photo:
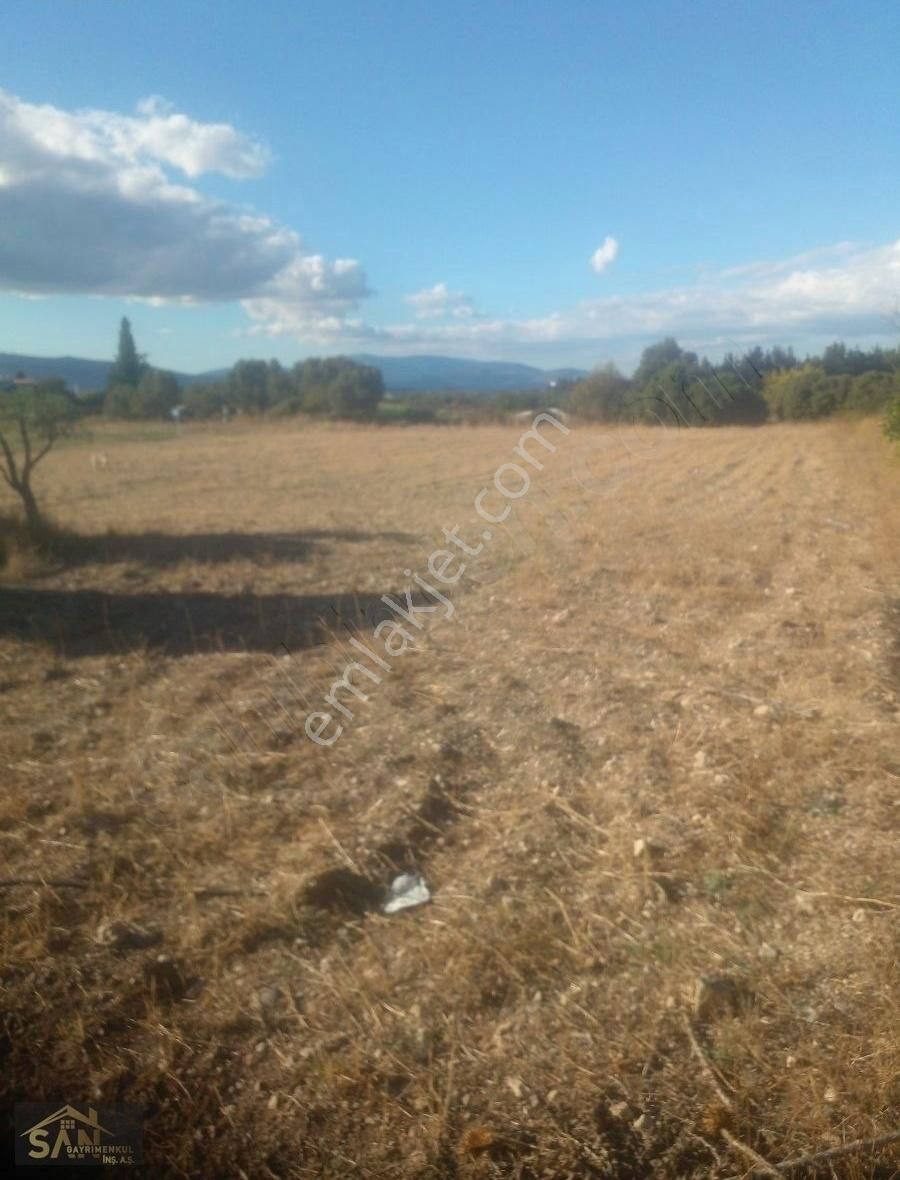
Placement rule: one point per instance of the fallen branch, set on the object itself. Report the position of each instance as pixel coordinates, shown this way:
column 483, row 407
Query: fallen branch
column 889, row 905
column 706, row 1064
column 818, row 1157
column 226, row 891
column 54, row 882
column 763, row 1167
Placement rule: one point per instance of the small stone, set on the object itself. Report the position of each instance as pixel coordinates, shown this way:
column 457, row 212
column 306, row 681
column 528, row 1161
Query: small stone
column 646, row 849
column 619, row 1110
column 830, row 1095
column 805, row 903
column 644, row 1126
column 790, row 1061
column 859, row 916
column 268, row 998
column 561, row 616
column 790, row 591
column 762, row 711
column 700, row 759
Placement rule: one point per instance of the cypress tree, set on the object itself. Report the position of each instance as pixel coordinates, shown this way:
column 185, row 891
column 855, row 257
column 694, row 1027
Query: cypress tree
column 129, row 366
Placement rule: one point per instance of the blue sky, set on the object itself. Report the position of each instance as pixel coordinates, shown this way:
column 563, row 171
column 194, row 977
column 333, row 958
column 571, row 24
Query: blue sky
column 292, row 179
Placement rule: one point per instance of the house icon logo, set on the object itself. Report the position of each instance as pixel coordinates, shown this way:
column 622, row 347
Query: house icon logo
column 69, row 1136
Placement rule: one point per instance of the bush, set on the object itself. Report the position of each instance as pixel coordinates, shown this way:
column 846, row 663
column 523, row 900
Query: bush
column 205, row 400
column 286, row 409
column 805, row 393
column 121, row 402
column 405, row 415
column 602, row 396
column 157, row 394
column 892, row 419
column 872, row 391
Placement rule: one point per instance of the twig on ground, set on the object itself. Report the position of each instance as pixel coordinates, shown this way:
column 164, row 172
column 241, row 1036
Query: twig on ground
column 890, row 905
column 818, row 1157
column 763, row 1167
column 345, row 856
column 706, row 1064
column 226, row 891
column 54, row 882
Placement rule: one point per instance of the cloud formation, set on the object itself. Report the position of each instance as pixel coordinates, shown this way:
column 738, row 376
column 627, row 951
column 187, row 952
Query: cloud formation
column 438, row 302
column 851, row 292
column 88, row 205
column 95, row 202
column 605, row 254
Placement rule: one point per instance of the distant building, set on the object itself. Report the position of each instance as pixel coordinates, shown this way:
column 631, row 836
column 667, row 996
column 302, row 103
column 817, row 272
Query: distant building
column 10, row 383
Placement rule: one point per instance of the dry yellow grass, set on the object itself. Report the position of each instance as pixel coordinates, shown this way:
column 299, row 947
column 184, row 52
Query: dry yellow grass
column 649, row 769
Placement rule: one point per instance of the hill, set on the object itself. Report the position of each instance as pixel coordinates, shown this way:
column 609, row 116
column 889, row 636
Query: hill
column 80, row 373
column 401, row 373
column 423, row 373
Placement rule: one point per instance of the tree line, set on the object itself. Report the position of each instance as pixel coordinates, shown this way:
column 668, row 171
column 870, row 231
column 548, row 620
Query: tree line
column 674, row 386
column 334, row 387
column 670, row 385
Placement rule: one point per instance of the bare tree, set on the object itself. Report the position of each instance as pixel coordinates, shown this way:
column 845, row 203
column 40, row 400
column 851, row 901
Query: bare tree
column 31, row 421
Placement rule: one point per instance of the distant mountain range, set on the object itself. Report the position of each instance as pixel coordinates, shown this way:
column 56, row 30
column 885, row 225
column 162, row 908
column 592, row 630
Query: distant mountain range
column 402, row 374
column 78, row 373
column 406, row 374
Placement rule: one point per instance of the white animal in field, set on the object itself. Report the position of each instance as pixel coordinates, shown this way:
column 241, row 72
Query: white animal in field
column 99, row 461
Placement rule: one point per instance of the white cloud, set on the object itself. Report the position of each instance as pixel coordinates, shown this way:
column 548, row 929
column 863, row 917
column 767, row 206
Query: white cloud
column 157, row 133
column 95, row 202
column 605, row 254
column 438, row 302
column 88, row 205
column 771, row 301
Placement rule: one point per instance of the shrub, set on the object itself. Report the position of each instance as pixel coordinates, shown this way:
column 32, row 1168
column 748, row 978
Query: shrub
column 286, row 408
column 157, row 394
column 601, row 396
column 871, row 391
column 892, row 419
column 121, row 402
column 205, row 400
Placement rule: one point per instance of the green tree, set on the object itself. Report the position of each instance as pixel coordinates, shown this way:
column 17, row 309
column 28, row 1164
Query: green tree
column 601, row 396
column 279, row 386
column 656, row 357
column 872, row 390
column 206, row 399
column 355, row 391
column 121, row 401
column 248, row 385
column 31, row 422
column 129, row 366
column 157, row 394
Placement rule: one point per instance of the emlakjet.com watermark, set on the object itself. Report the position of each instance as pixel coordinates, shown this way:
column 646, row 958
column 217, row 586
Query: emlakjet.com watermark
column 446, row 566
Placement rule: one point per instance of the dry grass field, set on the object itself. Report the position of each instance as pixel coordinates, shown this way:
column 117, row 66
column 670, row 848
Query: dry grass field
column 649, row 769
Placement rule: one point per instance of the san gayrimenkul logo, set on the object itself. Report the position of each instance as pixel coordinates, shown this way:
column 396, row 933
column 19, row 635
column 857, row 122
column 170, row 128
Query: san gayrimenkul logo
column 47, row 1134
